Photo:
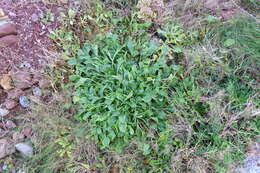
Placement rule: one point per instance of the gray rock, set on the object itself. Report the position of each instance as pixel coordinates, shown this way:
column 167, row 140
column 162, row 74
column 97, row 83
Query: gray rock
column 22, row 80
column 25, row 64
column 251, row 165
column 24, row 148
column 37, row 91
column 12, row 14
column 35, row 17
column 24, row 101
column 5, row 167
column 2, row 22
column 3, row 112
column 2, row 131
column 10, row 124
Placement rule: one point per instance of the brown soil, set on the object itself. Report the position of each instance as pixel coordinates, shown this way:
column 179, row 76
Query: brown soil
column 30, row 52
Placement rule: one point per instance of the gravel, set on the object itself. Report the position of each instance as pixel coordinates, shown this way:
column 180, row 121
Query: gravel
column 24, row 101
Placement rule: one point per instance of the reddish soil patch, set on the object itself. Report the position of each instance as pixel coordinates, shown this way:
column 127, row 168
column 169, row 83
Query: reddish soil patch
column 23, row 61
column 30, row 51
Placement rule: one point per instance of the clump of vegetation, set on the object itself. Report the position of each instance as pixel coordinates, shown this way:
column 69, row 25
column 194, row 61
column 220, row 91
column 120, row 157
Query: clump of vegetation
column 179, row 100
column 122, row 92
column 240, row 37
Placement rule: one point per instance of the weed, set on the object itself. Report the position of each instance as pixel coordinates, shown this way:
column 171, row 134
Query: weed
column 121, row 91
column 48, row 17
column 174, row 34
column 241, row 37
column 184, row 104
column 122, row 3
column 78, row 28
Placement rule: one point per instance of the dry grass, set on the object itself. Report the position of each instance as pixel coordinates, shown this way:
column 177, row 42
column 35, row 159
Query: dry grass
column 54, row 126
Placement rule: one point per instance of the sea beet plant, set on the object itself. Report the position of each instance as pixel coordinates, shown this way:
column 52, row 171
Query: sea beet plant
column 122, row 90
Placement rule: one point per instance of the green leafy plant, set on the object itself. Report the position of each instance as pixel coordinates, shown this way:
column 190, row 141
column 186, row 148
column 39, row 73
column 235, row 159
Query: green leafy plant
column 123, row 93
column 241, row 36
column 49, row 16
column 77, row 28
column 65, row 147
column 174, row 34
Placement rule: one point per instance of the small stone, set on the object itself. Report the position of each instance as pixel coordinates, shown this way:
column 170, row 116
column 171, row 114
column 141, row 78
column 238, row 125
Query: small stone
column 24, row 148
column 7, row 29
column 2, row 131
column 2, row 12
column 5, row 167
column 24, row 101
column 10, row 104
column 6, row 148
column 25, row 64
column 6, row 81
column 37, row 91
column 12, row 14
column 35, row 17
column 44, row 83
column 14, row 93
column 18, row 136
column 250, row 165
column 22, row 80
column 10, row 124
column 27, row 131
column 3, row 112
column 3, row 20
column 8, row 40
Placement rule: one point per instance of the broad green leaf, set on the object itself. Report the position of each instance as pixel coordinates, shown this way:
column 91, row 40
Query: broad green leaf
column 131, row 130
column 146, row 149
column 122, row 119
column 122, row 127
column 212, row 19
column 105, row 141
column 130, row 46
column 177, row 49
column 112, row 134
column 229, row 42
column 76, row 99
column 72, row 62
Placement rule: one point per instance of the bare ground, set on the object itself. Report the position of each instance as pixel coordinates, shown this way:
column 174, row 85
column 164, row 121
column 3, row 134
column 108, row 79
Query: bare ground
column 30, row 53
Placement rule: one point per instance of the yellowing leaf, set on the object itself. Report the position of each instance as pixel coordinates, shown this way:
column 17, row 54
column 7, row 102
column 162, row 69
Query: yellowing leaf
column 86, row 166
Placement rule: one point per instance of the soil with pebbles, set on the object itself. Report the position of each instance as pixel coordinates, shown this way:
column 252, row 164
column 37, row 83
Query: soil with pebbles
column 21, row 64
column 31, row 51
